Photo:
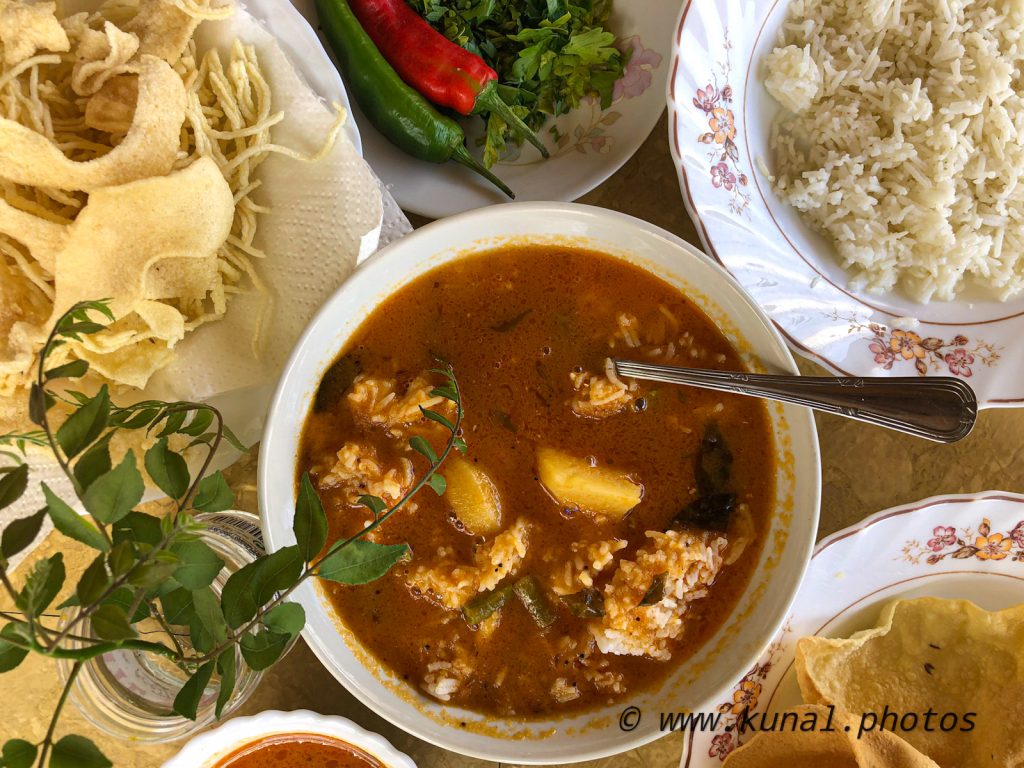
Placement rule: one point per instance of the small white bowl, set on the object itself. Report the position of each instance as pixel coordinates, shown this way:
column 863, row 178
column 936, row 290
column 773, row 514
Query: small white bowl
column 206, row 749
column 727, row 655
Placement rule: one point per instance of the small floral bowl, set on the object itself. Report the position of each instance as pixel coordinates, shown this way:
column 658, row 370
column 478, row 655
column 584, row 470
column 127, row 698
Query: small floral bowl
column 206, row 750
column 720, row 119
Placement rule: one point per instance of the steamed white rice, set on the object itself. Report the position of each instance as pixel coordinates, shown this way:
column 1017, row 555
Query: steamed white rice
column 901, row 138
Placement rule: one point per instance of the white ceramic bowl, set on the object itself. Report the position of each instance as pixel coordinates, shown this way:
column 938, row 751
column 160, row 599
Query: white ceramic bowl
column 206, row 749
column 727, row 655
column 790, row 270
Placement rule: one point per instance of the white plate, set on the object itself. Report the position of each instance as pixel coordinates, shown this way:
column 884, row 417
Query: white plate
column 788, row 269
column 938, row 547
column 596, row 143
column 744, row 634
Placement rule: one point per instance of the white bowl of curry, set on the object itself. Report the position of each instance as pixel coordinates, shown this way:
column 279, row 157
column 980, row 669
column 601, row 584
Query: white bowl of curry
column 604, row 547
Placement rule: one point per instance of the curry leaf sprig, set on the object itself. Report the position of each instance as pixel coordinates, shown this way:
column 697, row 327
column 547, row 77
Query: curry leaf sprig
column 153, row 576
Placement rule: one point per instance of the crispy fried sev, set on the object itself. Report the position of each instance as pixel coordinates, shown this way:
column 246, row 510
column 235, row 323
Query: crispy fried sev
column 27, row 27
column 149, row 148
column 949, row 656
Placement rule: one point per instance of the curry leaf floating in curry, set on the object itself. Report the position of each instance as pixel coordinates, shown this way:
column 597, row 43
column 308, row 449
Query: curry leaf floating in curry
column 310, row 524
column 361, row 562
column 158, row 568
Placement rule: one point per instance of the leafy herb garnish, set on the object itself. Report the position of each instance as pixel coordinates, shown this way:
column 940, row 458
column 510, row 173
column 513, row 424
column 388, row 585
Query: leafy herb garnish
column 150, row 568
column 548, row 54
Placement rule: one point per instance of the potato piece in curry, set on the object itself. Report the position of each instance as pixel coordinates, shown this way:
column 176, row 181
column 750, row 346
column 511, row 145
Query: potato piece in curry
column 600, row 530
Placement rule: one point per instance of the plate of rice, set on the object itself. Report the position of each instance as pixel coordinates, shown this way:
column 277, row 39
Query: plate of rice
column 855, row 166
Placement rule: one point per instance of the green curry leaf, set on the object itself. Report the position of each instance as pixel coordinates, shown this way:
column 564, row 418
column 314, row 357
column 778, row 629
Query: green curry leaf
column 262, row 649
column 186, row 703
column 71, row 524
column 112, row 495
column 310, row 525
column 227, row 669
column 18, row 753
column 361, row 561
column 168, row 469
column 199, row 564
column 11, row 654
column 13, row 483
column 42, row 585
column 20, row 533
column 85, row 424
column 213, row 494
column 110, row 622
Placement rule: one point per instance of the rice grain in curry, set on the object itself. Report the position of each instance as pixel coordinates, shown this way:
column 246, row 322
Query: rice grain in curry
column 598, row 530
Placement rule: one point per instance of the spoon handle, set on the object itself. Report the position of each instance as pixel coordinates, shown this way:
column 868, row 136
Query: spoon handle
column 939, row 408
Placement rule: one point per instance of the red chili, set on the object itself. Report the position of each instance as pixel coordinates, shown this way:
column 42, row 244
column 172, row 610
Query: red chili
column 445, row 73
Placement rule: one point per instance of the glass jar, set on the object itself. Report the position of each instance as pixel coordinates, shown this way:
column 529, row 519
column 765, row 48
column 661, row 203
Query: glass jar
column 130, row 694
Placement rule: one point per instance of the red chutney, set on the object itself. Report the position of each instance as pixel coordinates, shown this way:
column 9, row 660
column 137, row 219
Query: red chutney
column 299, row 750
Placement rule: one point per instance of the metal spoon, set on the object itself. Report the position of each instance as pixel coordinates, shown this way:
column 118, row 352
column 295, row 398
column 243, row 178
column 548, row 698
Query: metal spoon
column 938, row 408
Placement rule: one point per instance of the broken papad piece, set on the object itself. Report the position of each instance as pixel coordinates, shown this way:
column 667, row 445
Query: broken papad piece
column 100, row 56
column 136, row 243
column 839, row 747
column 148, row 149
column 947, row 656
column 27, row 27
column 112, row 108
column 164, row 28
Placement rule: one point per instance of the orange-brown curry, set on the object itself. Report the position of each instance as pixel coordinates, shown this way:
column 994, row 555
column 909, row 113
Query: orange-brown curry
column 298, row 751
column 515, row 324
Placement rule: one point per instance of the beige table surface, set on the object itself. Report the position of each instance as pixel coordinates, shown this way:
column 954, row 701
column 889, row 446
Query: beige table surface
column 865, row 469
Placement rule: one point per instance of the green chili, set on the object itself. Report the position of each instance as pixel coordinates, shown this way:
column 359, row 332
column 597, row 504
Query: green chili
column 532, row 596
column 405, row 118
column 480, row 607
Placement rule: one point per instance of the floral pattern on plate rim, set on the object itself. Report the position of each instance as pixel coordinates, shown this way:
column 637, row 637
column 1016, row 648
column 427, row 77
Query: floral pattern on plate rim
column 716, row 104
column 897, row 346
column 965, row 543
column 745, row 699
column 592, row 135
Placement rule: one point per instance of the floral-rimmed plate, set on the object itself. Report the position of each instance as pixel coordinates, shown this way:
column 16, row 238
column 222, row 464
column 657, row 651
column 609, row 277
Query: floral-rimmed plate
column 720, row 119
column 960, row 547
column 592, row 143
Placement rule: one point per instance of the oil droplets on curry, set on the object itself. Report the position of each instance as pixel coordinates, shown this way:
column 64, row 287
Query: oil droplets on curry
column 596, row 532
